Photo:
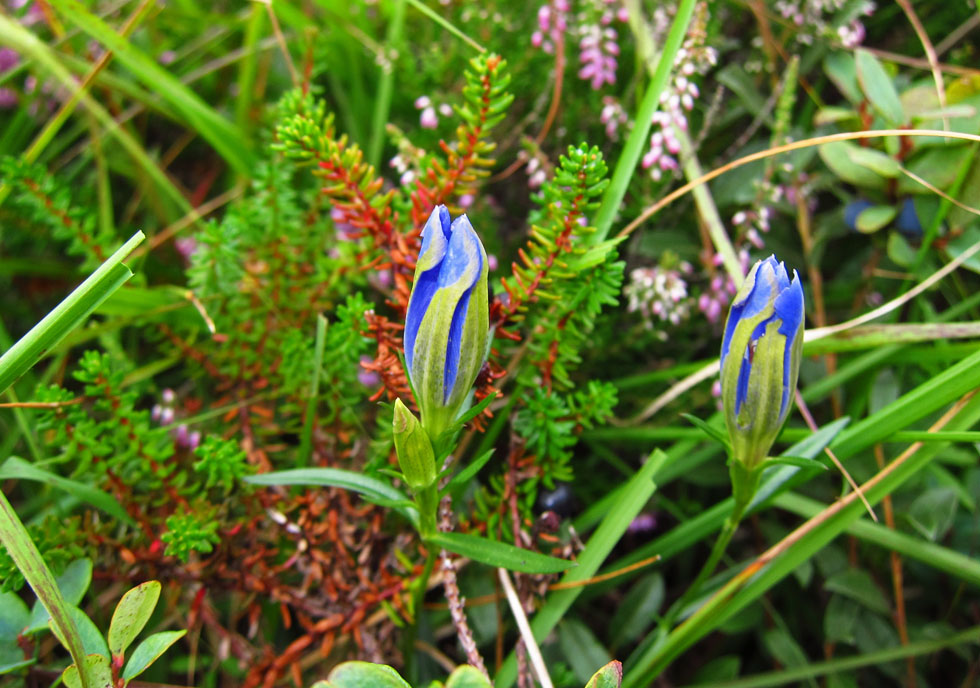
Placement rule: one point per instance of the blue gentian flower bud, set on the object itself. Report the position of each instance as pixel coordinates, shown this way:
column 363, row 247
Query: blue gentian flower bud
column 760, row 359
column 447, row 325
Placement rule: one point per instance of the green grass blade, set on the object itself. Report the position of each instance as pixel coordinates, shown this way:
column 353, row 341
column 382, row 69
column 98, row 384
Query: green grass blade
column 633, row 148
column 23, row 41
column 451, row 28
column 941, row 390
column 382, row 101
column 696, row 529
column 248, row 68
column 839, row 665
column 28, row 560
column 306, row 439
column 224, row 136
column 943, row 558
column 638, row 491
column 741, row 591
column 67, row 315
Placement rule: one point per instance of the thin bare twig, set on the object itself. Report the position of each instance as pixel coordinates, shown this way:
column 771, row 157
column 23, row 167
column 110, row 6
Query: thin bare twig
column 805, row 412
column 533, row 651
column 778, row 150
column 930, row 51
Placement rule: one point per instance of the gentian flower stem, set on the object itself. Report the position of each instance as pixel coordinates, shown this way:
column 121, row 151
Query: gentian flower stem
column 708, row 568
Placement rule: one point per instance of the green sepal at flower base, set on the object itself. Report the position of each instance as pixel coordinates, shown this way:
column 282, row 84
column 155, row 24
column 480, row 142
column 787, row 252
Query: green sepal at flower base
column 760, row 364
column 416, row 458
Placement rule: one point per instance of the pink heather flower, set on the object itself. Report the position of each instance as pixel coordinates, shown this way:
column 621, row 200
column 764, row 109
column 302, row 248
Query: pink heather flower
column 613, row 116
column 8, row 98
column 8, row 59
column 597, row 53
column 446, row 110
column 552, row 23
column 429, row 119
column 186, row 247
column 492, row 262
column 368, row 378
column 659, row 295
column 422, row 102
column 644, row 523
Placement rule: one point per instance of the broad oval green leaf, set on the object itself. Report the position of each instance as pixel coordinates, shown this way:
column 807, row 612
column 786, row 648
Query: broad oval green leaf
column 609, row 676
column 97, row 670
column 874, row 160
column 149, row 651
column 872, row 219
column 131, row 615
column 842, row 71
column 858, row 585
column 638, row 610
column 933, row 511
column 878, row 88
column 499, row 553
column 839, row 157
column 91, row 637
column 13, row 617
column 365, row 675
column 73, row 582
column 839, row 619
column 466, row 676
column 581, row 649
column 900, row 251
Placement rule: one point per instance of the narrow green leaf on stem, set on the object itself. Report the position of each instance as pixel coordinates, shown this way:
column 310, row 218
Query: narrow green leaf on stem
column 499, row 554
column 364, row 485
column 17, row 469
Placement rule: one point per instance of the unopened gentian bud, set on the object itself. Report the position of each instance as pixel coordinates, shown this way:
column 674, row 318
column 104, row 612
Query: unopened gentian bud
column 760, row 359
column 416, row 457
column 447, row 325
